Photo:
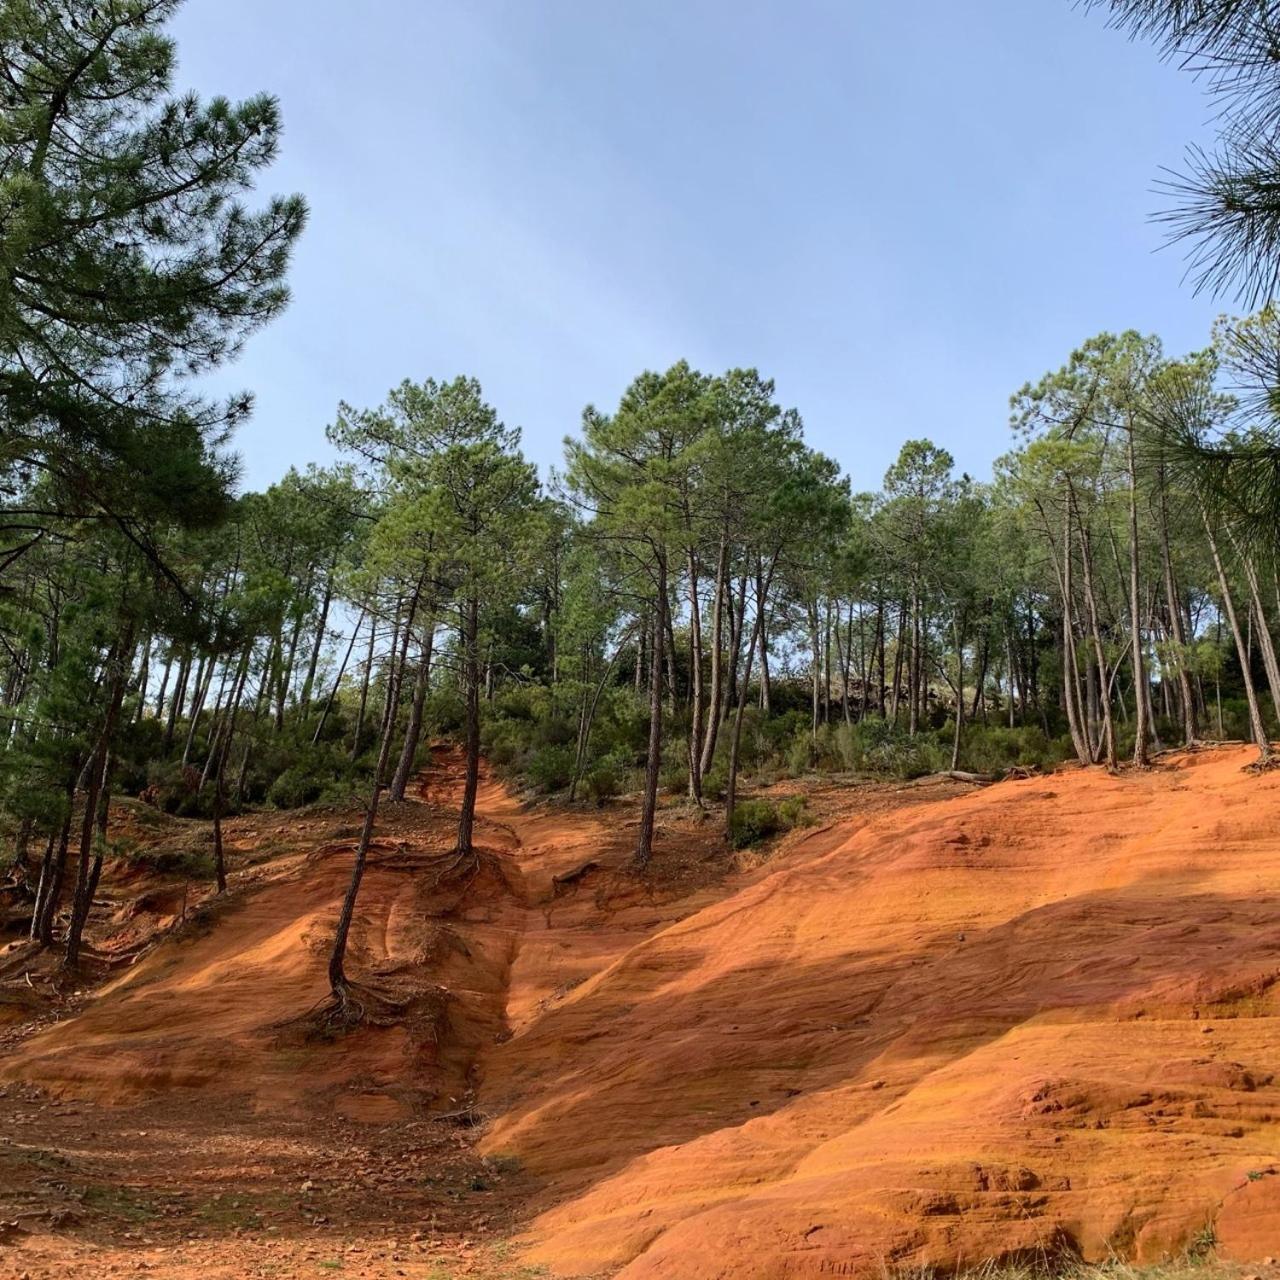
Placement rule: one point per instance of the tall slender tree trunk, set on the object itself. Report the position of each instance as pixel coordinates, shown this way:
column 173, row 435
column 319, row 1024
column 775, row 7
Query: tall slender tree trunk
column 338, row 983
column 337, row 682
column 653, row 762
column 1099, row 652
column 844, row 660
column 766, row 681
column 291, row 657
column 1070, row 671
column 1242, row 649
column 219, row 726
column 364, row 691
column 98, row 778
column 304, row 700
column 958, row 731
column 827, row 665
column 413, row 731
column 587, row 719
column 1011, row 695
column 735, row 738
column 197, row 706
column 695, row 681
column 53, row 871
column 737, row 625
column 715, row 693
column 179, row 694
column 1141, row 757
column 815, row 663
column 164, row 686
column 880, row 640
column 1266, row 646
column 471, row 730
column 144, row 678
column 1190, row 730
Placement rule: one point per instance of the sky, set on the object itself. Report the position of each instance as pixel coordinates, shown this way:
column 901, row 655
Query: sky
column 901, row 213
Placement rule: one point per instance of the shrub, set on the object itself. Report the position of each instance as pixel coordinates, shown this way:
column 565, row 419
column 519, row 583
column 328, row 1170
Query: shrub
column 753, row 821
column 549, row 768
column 714, row 784
column 801, row 755
column 603, row 782
column 793, row 812
column 294, row 788
column 756, row 820
column 171, row 787
column 994, row 748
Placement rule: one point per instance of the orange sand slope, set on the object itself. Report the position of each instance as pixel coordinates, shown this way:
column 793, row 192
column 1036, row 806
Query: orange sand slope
column 1037, row 1016
column 1040, row 1015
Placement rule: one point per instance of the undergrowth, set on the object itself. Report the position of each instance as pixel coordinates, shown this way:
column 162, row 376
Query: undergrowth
column 531, row 736
column 1197, row 1262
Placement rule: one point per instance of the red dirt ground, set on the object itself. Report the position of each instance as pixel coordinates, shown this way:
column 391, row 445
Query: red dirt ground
column 945, row 1026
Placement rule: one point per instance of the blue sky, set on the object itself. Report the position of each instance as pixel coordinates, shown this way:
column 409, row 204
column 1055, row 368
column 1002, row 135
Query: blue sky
column 899, row 212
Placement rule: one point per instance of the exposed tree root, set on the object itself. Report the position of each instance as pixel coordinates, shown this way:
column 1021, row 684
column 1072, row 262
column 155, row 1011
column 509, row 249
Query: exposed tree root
column 377, row 1003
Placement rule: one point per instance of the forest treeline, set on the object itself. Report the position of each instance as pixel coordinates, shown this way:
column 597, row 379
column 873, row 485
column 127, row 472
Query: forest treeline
column 697, row 597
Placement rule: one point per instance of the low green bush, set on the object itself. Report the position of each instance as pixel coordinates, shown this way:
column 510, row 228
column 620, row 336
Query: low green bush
column 758, row 819
column 602, row 782
column 549, row 768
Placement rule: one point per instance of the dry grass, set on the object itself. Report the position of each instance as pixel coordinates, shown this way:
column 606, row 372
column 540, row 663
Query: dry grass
column 1194, row 1265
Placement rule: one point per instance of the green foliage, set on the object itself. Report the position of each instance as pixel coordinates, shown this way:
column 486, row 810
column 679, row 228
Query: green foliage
column 757, row 820
column 130, row 260
column 991, row 749
column 549, row 768
column 603, row 781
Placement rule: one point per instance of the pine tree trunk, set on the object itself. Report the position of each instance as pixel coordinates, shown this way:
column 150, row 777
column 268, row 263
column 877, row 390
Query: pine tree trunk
column 1099, row 652
column 413, row 730
column 899, row 652
column 338, row 983
column 53, row 872
column 1141, row 758
column 364, row 691
column 715, row 693
column 737, row 624
column 179, row 694
column 98, row 780
column 653, row 761
column 1265, row 644
column 766, row 681
column 218, row 729
column 1190, row 730
column 735, row 738
column 337, row 683
column 471, row 740
column 164, row 686
column 695, row 682
column 587, row 719
column 1242, row 649
column 304, row 701
column 959, row 632
column 197, row 706
column 815, row 662
column 144, row 677
column 826, row 716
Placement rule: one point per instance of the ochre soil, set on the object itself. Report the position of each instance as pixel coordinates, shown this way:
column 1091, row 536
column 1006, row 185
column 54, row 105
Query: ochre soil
column 944, row 1025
